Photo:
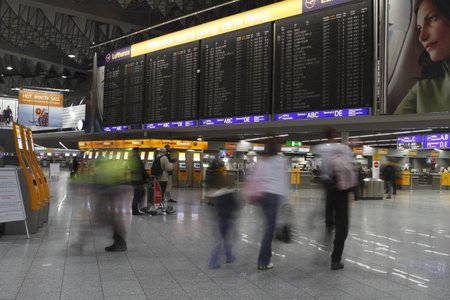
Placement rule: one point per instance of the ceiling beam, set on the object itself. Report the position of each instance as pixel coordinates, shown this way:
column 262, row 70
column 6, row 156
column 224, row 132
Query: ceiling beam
column 40, row 56
column 93, row 10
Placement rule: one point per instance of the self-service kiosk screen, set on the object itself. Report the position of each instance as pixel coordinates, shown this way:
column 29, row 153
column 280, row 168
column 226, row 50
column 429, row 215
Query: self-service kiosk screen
column 196, row 156
column 196, row 165
column 90, row 155
column 118, row 155
column 182, row 165
column 125, row 155
column 111, row 155
column 182, row 156
column 96, row 155
column 142, row 155
column 150, row 155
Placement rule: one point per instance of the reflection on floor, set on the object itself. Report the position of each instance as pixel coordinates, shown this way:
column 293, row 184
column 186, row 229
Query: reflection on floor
column 397, row 249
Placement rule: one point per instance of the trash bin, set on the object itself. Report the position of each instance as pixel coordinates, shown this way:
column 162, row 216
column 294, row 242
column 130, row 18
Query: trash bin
column 373, row 189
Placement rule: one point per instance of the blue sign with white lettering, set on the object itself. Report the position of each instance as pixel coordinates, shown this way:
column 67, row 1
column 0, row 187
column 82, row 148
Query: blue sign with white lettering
column 235, row 120
column 409, row 139
column 436, row 141
column 178, row 124
column 116, row 128
column 337, row 113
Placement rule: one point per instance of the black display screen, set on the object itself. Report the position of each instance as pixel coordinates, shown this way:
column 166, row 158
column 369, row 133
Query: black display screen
column 172, row 84
column 324, row 59
column 236, row 73
column 124, row 92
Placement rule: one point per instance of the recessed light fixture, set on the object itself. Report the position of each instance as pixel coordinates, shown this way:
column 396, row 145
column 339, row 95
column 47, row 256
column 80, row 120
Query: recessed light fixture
column 9, row 68
column 71, row 55
column 64, row 76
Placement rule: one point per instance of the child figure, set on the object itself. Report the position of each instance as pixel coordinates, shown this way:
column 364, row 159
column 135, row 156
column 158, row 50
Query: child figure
column 226, row 207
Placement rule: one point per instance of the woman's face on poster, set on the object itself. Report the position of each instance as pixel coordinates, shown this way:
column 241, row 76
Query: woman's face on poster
column 434, row 31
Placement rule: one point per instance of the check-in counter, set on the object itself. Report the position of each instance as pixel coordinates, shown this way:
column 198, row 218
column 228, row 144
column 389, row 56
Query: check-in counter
column 304, row 180
column 426, row 181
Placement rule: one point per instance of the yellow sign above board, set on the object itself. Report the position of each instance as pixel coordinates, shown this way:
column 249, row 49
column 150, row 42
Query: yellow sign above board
column 242, row 20
column 127, row 144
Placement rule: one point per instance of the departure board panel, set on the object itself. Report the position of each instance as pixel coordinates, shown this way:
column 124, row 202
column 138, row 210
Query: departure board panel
column 236, row 73
column 324, row 59
column 124, row 92
column 172, row 84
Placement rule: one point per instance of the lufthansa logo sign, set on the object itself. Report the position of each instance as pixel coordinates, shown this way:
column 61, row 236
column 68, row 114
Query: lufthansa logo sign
column 310, row 3
column 108, row 57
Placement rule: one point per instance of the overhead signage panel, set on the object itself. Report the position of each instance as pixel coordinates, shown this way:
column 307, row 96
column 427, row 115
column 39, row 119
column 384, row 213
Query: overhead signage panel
column 337, row 113
column 438, row 141
column 179, row 124
column 235, row 120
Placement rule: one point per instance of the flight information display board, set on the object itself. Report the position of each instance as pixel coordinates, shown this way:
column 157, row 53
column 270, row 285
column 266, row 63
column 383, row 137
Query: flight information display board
column 324, row 59
column 172, row 84
column 124, row 92
column 236, row 73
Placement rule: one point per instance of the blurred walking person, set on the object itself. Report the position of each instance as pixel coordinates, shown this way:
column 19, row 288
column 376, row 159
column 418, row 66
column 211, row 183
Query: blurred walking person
column 139, row 177
column 339, row 176
column 271, row 178
column 226, row 204
column 109, row 187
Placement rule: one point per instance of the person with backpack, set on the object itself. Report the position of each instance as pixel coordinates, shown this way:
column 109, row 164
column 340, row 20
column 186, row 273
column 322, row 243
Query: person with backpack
column 139, row 177
column 339, row 177
column 160, row 169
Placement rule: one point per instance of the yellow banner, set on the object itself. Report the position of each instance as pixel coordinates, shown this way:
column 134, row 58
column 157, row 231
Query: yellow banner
column 412, row 153
column 242, row 20
column 383, row 151
column 41, row 98
column 125, row 144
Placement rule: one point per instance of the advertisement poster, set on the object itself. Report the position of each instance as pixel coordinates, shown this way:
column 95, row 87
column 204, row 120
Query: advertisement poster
column 418, row 56
column 40, row 109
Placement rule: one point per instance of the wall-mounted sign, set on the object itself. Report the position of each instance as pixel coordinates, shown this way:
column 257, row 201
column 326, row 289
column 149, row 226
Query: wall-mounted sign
column 438, row 141
column 357, row 150
column 43, row 109
column 412, row 153
column 383, row 151
column 230, row 146
column 293, row 143
column 435, row 153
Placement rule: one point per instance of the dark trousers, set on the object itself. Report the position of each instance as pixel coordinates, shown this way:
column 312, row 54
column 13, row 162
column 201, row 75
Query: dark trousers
column 340, row 208
column 269, row 204
column 329, row 211
column 138, row 195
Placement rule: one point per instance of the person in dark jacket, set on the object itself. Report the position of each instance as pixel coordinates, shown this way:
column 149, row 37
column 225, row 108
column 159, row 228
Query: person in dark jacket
column 226, row 206
column 389, row 176
column 138, row 178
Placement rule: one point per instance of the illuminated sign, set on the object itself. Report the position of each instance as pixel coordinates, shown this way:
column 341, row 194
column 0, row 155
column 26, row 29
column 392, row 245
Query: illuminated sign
column 116, row 128
column 41, row 98
column 409, row 142
column 242, row 20
column 171, row 124
column 117, row 55
column 311, row 5
column 438, row 140
column 324, row 114
column 293, row 143
column 235, row 120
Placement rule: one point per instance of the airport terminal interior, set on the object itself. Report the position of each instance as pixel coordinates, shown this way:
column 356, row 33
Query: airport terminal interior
column 150, row 149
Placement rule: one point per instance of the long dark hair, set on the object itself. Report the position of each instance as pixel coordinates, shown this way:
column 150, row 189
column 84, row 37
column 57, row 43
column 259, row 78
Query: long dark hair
column 431, row 69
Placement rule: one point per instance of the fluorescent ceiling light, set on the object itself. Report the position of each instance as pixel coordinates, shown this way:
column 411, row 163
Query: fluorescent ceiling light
column 63, row 146
column 9, row 68
column 71, row 55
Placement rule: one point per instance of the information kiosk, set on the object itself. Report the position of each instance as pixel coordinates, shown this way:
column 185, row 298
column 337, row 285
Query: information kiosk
column 196, row 170
column 29, row 190
column 182, row 170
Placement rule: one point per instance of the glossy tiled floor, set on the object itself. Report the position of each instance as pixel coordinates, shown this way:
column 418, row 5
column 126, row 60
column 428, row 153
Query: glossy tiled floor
column 397, row 249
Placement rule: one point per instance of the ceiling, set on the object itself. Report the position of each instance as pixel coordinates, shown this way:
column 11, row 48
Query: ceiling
column 37, row 36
